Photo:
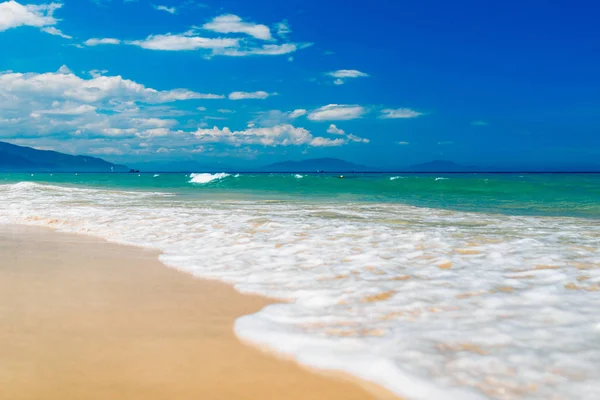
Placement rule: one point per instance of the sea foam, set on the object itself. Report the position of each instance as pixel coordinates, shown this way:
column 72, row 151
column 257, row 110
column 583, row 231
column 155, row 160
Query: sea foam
column 431, row 304
column 207, row 178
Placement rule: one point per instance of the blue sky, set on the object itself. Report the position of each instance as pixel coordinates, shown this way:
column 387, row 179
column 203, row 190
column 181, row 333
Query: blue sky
column 242, row 83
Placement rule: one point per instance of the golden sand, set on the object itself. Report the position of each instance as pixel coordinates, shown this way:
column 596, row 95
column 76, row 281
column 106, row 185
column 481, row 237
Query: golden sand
column 82, row 319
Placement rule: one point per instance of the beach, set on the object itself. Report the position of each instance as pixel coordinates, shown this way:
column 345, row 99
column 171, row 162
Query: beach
column 495, row 297
column 81, row 318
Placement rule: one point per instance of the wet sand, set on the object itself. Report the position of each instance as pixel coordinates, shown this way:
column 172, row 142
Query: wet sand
column 81, row 318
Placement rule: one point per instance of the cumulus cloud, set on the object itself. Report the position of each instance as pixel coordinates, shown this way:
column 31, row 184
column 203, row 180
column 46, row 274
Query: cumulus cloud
column 357, row 139
column 56, row 32
column 61, row 103
column 97, row 72
column 335, row 130
column 66, row 85
column 112, row 115
column 297, row 113
column 170, row 42
column 195, row 39
column 170, row 10
column 343, row 74
column 264, row 50
column 66, row 108
column 347, row 73
column 280, row 135
column 14, row 14
column 337, row 112
column 325, row 142
column 96, row 41
column 260, row 95
column 403, row 143
column 399, row 113
column 230, row 23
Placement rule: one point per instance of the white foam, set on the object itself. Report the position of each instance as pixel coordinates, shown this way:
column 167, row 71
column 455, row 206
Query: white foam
column 431, row 304
column 441, row 179
column 298, row 176
column 156, row 175
column 207, row 178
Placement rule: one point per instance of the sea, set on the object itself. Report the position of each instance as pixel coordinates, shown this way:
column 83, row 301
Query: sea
column 433, row 286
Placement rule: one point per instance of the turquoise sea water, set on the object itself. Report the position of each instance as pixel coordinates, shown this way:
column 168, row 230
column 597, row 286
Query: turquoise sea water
column 435, row 286
column 575, row 195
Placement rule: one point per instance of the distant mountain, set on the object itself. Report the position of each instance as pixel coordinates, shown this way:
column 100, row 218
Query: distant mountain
column 441, row 166
column 19, row 158
column 317, row 164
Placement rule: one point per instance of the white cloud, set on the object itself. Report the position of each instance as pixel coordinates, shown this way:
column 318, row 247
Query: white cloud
column 216, row 46
column 403, row 143
column 97, row 72
column 335, row 130
column 400, row 113
column 13, row 15
column 170, row 42
column 66, row 108
column 324, row 142
column 64, row 70
column 230, row 23
column 64, row 105
column 280, row 135
column 337, row 112
column 342, row 74
column 297, row 113
column 96, row 41
column 357, row 139
column 170, row 10
column 66, row 85
column 260, row 95
column 225, row 111
column 264, row 50
column 56, row 32
column 347, row 73
column 480, row 123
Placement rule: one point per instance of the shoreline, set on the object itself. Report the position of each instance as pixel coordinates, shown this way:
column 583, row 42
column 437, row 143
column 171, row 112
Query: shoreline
column 112, row 321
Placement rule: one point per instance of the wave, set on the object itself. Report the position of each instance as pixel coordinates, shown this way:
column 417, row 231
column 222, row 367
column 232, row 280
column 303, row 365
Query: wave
column 428, row 303
column 204, row 178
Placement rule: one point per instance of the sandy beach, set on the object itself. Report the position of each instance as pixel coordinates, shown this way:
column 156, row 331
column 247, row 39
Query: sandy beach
column 81, row 318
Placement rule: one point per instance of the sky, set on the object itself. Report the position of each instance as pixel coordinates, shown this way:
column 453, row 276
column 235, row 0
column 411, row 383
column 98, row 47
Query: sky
column 385, row 83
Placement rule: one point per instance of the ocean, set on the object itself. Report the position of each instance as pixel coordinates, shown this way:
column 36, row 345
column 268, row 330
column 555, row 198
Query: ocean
column 434, row 286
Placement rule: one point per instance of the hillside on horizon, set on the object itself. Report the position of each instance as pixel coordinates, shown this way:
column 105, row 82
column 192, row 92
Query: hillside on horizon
column 15, row 158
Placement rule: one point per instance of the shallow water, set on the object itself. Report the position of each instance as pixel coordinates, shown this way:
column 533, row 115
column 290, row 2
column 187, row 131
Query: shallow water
column 488, row 289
